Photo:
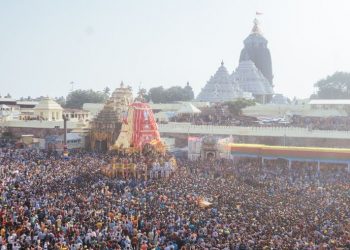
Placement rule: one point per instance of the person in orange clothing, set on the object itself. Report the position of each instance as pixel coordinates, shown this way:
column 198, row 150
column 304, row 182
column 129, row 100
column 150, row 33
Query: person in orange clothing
column 144, row 246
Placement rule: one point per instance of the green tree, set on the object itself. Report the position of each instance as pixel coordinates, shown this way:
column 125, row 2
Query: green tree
column 157, row 95
column 107, row 92
column 142, row 95
column 61, row 101
column 336, row 86
column 235, row 107
column 188, row 92
column 174, row 94
column 77, row 98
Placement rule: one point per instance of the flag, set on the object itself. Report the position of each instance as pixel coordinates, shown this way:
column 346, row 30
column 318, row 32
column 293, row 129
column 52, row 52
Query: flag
column 258, row 13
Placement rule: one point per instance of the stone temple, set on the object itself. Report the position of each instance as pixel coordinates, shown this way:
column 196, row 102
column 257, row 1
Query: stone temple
column 252, row 79
column 221, row 88
column 255, row 49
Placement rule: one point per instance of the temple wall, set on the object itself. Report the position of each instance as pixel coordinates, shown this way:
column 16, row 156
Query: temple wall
column 36, row 132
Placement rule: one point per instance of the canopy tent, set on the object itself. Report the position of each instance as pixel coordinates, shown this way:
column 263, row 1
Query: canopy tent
column 188, row 108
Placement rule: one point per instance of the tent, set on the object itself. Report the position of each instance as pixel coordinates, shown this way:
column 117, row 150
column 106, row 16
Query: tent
column 188, row 108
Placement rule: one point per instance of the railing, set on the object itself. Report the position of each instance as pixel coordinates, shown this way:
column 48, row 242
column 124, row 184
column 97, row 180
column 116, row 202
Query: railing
column 187, row 128
column 39, row 124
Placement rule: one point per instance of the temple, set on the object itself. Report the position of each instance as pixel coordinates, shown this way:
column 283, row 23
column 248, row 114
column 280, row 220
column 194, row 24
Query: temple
column 221, row 88
column 250, row 79
column 105, row 128
column 255, row 49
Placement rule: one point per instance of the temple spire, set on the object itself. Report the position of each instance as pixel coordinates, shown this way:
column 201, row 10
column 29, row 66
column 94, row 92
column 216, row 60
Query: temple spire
column 256, row 28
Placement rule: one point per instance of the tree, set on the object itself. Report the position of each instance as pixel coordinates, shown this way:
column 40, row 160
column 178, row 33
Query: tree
column 188, row 92
column 336, row 86
column 157, row 95
column 235, row 107
column 107, row 91
column 172, row 94
column 77, row 98
column 142, row 95
column 61, row 100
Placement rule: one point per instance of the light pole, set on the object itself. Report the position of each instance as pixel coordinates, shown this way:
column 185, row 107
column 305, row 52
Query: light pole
column 65, row 146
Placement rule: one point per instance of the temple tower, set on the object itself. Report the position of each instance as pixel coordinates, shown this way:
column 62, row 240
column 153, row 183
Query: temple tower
column 255, row 49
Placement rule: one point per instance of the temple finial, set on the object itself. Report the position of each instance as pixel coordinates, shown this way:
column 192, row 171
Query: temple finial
column 222, row 62
column 256, row 28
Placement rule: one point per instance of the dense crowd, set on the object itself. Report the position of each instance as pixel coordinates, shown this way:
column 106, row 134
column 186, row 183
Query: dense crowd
column 322, row 123
column 51, row 203
column 312, row 123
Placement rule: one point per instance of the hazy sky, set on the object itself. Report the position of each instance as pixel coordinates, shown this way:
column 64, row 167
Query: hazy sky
column 46, row 44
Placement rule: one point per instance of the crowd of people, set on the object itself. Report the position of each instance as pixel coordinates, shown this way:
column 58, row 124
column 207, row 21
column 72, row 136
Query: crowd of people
column 312, row 123
column 322, row 123
column 47, row 202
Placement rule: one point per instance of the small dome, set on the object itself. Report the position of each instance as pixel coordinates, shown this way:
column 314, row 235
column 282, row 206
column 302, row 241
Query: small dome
column 48, row 104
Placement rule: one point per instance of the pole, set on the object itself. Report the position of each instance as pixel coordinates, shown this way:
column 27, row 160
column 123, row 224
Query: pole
column 65, row 146
column 65, row 130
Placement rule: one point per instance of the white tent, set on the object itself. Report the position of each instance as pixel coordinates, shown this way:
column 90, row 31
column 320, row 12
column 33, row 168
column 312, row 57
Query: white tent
column 188, row 108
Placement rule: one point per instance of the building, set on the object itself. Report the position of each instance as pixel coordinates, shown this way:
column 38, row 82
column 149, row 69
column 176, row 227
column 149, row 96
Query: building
column 221, row 88
column 250, row 79
column 93, row 108
column 56, row 142
column 5, row 111
column 255, row 49
column 77, row 115
column 340, row 104
column 48, row 110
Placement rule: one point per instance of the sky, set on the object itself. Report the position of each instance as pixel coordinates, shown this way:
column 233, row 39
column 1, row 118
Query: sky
column 46, row 45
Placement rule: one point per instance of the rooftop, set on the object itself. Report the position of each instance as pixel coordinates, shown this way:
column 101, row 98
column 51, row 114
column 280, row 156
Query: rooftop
column 48, row 104
column 330, row 102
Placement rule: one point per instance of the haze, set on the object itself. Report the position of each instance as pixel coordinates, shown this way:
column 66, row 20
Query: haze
column 45, row 45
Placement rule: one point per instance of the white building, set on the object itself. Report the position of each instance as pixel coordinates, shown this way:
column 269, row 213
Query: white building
column 221, row 87
column 250, row 79
column 49, row 110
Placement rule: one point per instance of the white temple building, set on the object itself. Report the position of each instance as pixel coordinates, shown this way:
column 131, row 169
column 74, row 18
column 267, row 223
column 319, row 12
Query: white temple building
column 250, row 79
column 49, row 110
column 221, row 88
